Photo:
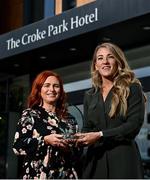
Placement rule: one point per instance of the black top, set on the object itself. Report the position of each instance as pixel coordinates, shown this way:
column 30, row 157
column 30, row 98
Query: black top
column 116, row 155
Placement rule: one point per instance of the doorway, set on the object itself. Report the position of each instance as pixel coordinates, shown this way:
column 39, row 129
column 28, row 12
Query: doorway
column 13, row 94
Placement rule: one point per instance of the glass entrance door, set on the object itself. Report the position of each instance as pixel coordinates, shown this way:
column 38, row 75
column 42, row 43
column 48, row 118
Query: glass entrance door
column 3, row 126
column 13, row 94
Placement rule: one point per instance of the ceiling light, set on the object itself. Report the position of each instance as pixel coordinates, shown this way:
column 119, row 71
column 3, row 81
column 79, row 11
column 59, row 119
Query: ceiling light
column 146, row 28
column 16, row 65
column 106, row 39
column 72, row 49
column 43, row 57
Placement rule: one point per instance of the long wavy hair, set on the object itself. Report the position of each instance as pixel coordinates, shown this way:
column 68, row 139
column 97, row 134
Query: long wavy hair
column 35, row 99
column 121, row 80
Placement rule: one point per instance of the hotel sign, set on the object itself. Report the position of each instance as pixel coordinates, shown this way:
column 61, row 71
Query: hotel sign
column 74, row 22
column 47, row 31
column 52, row 30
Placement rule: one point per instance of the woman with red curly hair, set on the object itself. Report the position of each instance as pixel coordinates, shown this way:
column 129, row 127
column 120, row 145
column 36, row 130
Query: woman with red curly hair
column 41, row 130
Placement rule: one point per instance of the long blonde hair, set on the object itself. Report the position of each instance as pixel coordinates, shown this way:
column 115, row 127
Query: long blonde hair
column 123, row 78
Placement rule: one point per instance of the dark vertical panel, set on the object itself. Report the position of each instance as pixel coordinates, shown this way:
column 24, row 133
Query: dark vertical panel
column 2, row 22
column 68, row 4
column 11, row 14
column 33, row 11
column 3, row 144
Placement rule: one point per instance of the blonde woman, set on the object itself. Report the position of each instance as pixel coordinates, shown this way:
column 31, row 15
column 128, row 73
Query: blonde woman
column 114, row 113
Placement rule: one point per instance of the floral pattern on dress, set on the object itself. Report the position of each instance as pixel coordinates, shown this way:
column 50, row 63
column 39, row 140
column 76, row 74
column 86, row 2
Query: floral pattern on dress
column 44, row 161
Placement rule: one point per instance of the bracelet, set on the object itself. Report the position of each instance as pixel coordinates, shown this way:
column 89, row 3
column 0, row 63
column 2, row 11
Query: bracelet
column 100, row 133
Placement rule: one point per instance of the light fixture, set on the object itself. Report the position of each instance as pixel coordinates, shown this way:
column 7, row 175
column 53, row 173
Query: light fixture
column 16, row 65
column 43, row 57
column 72, row 49
column 106, row 39
column 146, row 28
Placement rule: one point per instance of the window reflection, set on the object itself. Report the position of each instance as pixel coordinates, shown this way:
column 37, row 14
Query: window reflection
column 3, row 95
column 3, row 144
column 18, row 92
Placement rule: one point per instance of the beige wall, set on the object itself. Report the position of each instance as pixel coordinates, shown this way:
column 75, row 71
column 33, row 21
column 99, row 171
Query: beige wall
column 83, row 2
column 58, row 4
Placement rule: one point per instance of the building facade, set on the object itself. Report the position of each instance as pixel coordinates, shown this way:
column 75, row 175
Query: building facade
column 62, row 37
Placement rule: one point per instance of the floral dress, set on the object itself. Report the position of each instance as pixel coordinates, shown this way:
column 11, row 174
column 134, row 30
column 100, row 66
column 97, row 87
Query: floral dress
column 44, row 161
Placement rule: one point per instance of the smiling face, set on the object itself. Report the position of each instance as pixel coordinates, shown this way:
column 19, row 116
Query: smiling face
column 50, row 91
column 105, row 63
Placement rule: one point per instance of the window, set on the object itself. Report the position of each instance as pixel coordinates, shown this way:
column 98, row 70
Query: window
column 49, row 8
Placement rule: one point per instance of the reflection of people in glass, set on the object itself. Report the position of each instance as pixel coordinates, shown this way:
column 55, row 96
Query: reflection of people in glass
column 114, row 113
column 41, row 130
